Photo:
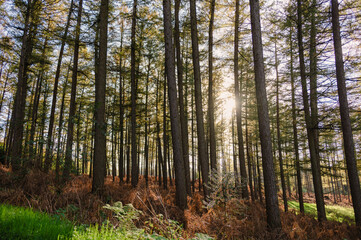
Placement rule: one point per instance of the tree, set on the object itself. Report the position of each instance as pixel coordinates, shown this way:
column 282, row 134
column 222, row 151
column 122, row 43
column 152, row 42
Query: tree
column 49, row 144
column 237, row 95
column 202, row 146
column 349, row 148
column 273, row 216
column 69, row 139
column 31, row 19
column 212, row 131
column 100, row 87
column 182, row 109
column 134, row 98
column 181, row 192
column 321, row 213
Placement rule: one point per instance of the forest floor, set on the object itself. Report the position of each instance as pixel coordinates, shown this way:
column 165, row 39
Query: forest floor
column 231, row 219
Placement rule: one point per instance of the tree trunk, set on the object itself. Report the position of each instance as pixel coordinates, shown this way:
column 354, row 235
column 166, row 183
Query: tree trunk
column 182, row 108
column 237, row 95
column 212, row 132
column 282, row 175
column 57, row 162
column 49, row 144
column 181, row 192
column 317, row 182
column 272, row 210
column 349, row 148
column 121, row 110
column 134, row 99
column 165, row 136
column 202, row 145
column 69, row 140
column 18, row 115
column 295, row 133
column 100, row 91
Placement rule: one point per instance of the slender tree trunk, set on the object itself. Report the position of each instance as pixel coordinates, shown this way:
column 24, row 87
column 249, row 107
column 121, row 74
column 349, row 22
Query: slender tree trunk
column 295, row 132
column 182, row 109
column 49, row 144
column 212, row 132
column 69, row 140
column 18, row 115
column 349, row 147
column 181, row 191
column 57, row 162
column 4, row 91
column 100, row 153
column 280, row 158
column 35, row 107
column 272, row 210
column 134, row 98
column 121, row 110
column 249, row 163
column 38, row 159
column 165, row 136
column 317, row 182
column 242, row 160
column 146, row 141
column 202, row 145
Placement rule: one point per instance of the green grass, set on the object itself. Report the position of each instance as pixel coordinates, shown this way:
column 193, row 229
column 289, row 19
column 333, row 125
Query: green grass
column 21, row 223
column 17, row 223
column 333, row 212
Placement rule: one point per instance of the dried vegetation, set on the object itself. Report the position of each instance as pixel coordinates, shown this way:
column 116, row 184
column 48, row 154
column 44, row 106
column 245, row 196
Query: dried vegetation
column 237, row 219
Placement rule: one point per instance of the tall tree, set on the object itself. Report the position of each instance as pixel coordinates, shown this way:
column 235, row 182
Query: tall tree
column 212, row 132
column 100, row 87
column 133, row 113
column 349, row 147
column 237, row 95
column 273, row 215
column 294, row 127
column 182, row 109
column 181, row 192
column 49, row 144
column 317, row 183
column 202, row 146
column 17, row 123
column 280, row 158
column 74, row 80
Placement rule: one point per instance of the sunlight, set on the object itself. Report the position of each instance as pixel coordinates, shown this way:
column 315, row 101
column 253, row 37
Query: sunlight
column 228, row 105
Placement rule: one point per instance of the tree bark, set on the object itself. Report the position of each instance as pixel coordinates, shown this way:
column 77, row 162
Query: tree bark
column 295, row 132
column 272, row 210
column 317, row 182
column 18, row 115
column 181, row 192
column 212, row 131
column 69, row 140
column 349, row 147
column 202, row 145
column 49, row 144
column 237, row 95
column 133, row 113
column 280, row 158
column 182, row 109
column 100, row 88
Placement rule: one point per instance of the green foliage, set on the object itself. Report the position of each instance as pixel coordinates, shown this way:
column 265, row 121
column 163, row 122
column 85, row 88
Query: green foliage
column 165, row 227
column 333, row 212
column 126, row 214
column 21, row 223
column 222, row 187
column 107, row 232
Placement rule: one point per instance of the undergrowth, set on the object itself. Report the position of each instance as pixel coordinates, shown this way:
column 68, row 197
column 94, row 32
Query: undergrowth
column 333, row 212
column 227, row 217
column 21, row 223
